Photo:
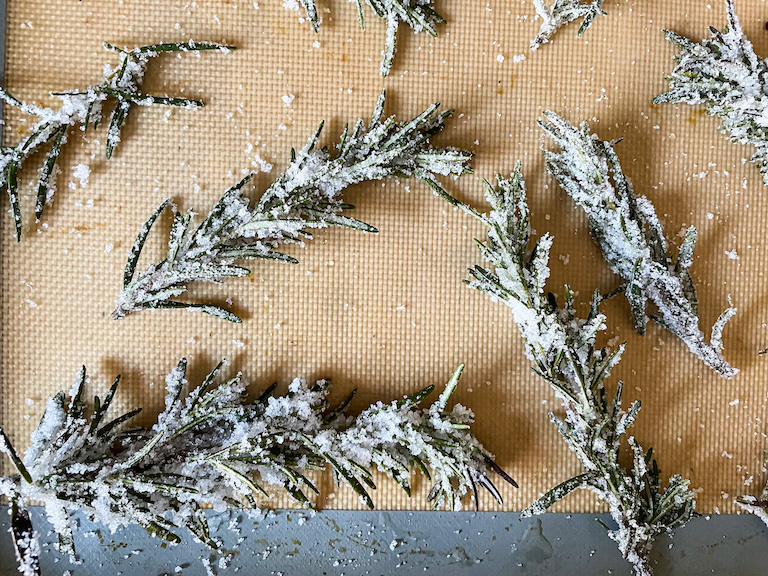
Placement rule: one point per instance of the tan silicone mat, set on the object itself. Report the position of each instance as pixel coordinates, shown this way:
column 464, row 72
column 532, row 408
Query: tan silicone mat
column 387, row 313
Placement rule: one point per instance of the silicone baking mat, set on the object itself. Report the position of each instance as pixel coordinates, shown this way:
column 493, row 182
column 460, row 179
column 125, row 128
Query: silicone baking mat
column 386, row 313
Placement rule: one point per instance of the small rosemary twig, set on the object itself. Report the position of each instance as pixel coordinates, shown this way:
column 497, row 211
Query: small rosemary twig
column 120, row 85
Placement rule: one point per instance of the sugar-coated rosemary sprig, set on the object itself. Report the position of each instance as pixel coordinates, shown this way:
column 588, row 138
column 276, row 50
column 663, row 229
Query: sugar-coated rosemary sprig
column 307, row 195
column 562, row 348
column 120, row 86
column 729, row 79
column 418, row 14
column 564, row 12
column 631, row 238
column 212, row 446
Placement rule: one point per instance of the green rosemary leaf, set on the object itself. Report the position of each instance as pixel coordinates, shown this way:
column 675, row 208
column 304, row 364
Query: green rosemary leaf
column 7, row 448
column 630, row 237
column 557, row 493
column 239, row 479
column 306, row 196
column 147, row 100
column 564, row 12
column 562, row 348
column 212, row 446
column 44, row 186
column 416, row 398
column 725, row 75
column 107, row 428
column 116, row 122
column 450, row 388
column 120, row 85
column 25, row 542
column 12, row 185
column 138, row 246
column 154, row 528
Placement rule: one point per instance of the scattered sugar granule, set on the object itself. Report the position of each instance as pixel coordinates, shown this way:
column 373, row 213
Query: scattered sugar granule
column 262, row 164
column 108, row 248
column 732, row 255
column 288, row 99
column 734, row 402
column 517, row 58
column 316, row 45
column 499, row 58
column 82, row 172
column 238, row 343
column 31, row 303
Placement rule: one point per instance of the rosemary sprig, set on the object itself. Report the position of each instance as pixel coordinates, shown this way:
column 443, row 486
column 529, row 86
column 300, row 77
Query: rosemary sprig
column 631, row 238
column 212, row 446
column 564, row 12
column 729, row 79
column 305, row 196
column 418, row 14
column 562, row 348
column 120, row 86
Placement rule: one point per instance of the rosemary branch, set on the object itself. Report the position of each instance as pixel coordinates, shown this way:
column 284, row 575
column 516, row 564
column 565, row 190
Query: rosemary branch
column 564, row 12
column 729, row 79
column 120, row 86
column 562, row 348
column 305, row 196
column 631, row 238
column 214, row 447
column 418, row 14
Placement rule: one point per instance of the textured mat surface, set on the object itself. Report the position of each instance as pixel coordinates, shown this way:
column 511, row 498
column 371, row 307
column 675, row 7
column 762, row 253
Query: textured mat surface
column 387, row 313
